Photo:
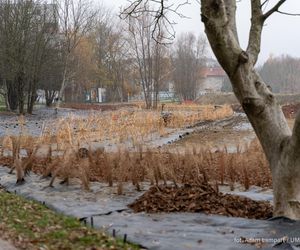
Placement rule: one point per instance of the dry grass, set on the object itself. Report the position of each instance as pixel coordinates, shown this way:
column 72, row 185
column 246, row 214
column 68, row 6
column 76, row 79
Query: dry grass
column 156, row 167
column 129, row 126
column 132, row 127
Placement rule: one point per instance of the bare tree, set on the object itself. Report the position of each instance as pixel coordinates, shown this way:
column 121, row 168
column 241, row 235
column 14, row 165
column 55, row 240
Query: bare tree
column 51, row 77
column 148, row 55
column 280, row 145
column 111, row 55
column 44, row 29
column 140, row 35
column 188, row 58
column 282, row 73
column 76, row 19
column 161, row 69
column 15, row 21
column 24, row 35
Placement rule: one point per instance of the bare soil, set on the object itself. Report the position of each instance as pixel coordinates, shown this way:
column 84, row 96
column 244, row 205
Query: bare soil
column 233, row 134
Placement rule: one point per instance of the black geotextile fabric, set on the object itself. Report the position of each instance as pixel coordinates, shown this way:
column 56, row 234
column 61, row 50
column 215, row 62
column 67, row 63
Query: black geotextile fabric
column 161, row 231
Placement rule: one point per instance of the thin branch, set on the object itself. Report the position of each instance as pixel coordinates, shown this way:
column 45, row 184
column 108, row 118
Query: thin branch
column 265, row 2
column 288, row 14
column 162, row 27
column 274, row 9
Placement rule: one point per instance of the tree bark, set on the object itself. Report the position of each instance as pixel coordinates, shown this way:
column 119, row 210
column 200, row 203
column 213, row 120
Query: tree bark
column 20, row 87
column 279, row 144
column 12, row 95
column 49, row 95
column 32, row 95
column 6, row 95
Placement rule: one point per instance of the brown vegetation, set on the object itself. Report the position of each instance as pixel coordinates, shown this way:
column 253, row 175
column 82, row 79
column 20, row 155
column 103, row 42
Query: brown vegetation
column 186, row 181
column 156, row 167
column 181, row 181
column 97, row 106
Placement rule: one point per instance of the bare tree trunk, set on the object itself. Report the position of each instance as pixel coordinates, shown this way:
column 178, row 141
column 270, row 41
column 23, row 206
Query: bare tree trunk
column 49, row 95
column 6, row 95
column 21, row 84
column 12, row 95
column 62, row 87
column 281, row 147
column 76, row 19
column 32, row 96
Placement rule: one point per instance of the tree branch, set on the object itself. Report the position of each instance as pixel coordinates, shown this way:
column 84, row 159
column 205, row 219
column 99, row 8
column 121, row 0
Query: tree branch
column 255, row 31
column 162, row 26
column 218, row 17
column 274, row 9
column 288, row 14
column 264, row 3
column 231, row 14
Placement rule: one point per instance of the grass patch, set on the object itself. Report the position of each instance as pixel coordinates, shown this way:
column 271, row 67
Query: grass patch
column 30, row 225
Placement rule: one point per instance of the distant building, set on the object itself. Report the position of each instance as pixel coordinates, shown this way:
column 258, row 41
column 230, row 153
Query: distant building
column 212, row 79
column 96, row 95
column 76, row 93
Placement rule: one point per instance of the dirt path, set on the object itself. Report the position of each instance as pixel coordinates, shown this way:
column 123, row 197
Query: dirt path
column 233, row 133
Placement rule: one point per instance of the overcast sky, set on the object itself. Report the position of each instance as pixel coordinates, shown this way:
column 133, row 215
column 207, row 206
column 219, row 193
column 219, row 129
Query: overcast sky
column 281, row 33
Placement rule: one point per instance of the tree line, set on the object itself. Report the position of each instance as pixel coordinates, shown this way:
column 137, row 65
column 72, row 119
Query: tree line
column 74, row 45
column 281, row 73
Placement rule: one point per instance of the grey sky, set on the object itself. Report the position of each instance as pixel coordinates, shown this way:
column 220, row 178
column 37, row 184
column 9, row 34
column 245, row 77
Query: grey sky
column 281, row 33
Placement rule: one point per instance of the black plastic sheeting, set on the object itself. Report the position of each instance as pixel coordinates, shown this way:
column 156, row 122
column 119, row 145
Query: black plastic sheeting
column 102, row 208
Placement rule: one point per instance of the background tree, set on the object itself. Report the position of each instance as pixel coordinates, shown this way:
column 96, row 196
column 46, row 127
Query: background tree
column 15, row 21
column 44, row 27
column 282, row 74
column 188, row 58
column 111, row 56
column 76, row 19
column 24, row 35
column 161, row 70
column 51, row 76
column 148, row 56
column 84, row 71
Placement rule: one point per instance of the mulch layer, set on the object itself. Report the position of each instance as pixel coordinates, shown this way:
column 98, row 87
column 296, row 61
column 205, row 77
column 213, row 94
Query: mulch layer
column 200, row 198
